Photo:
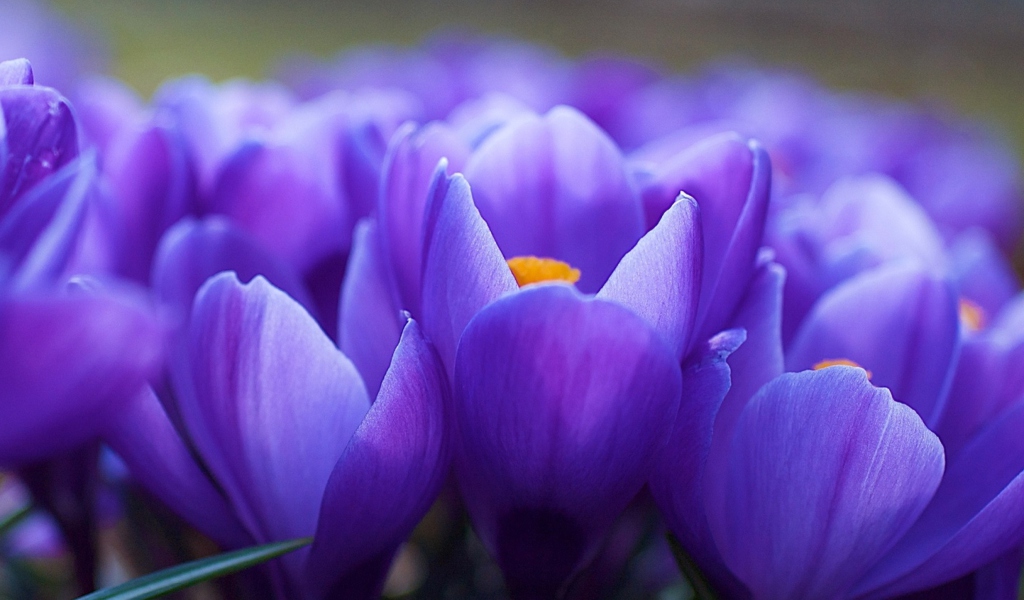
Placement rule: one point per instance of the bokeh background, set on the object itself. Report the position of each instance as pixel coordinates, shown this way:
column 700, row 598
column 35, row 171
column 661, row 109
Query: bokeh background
column 964, row 56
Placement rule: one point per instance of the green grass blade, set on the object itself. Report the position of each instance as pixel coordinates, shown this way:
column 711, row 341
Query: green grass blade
column 182, row 576
column 11, row 521
column 701, row 588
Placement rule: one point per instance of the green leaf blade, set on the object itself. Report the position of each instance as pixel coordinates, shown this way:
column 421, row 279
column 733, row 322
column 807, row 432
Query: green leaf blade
column 700, row 586
column 184, row 575
column 13, row 519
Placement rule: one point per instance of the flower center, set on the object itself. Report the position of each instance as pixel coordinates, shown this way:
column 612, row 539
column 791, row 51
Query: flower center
column 838, row 362
column 532, row 269
column 971, row 315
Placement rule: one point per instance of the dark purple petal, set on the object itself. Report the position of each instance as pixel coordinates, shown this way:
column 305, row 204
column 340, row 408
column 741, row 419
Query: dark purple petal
column 369, row 324
column 285, row 189
column 760, row 358
column 143, row 436
column 387, row 478
column 39, row 236
column 750, row 365
column 15, row 72
column 152, row 176
column 659, row 279
column 899, row 323
column 268, row 402
column 463, row 269
column 561, row 404
column 677, row 477
column 857, row 467
column 40, row 138
column 67, row 364
column 408, row 173
column 730, row 178
column 988, row 381
column 556, row 187
column 973, row 519
column 193, row 251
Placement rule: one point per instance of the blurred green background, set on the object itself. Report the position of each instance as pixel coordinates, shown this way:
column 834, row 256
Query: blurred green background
column 963, row 56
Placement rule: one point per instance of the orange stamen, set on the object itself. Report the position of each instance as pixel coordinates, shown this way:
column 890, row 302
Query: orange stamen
column 838, row 362
column 972, row 315
column 531, row 269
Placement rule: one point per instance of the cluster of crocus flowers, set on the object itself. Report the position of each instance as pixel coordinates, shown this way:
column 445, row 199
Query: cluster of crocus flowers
column 558, row 290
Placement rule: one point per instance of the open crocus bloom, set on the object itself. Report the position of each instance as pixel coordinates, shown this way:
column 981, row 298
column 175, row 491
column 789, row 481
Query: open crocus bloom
column 576, row 375
column 293, row 445
column 886, row 508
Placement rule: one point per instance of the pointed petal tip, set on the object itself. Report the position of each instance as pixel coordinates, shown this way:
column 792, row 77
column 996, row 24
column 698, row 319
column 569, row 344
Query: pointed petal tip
column 16, row 72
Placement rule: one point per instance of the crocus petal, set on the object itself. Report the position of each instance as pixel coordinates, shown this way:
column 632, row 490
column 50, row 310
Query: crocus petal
column 40, row 137
column 463, row 269
column 603, row 87
column 988, row 380
column 676, row 479
column 899, row 323
column 826, row 445
column 193, row 251
column 154, row 186
column 983, row 275
column 408, row 173
column 217, row 119
column 730, row 178
column 556, row 186
column 561, row 403
column 142, row 435
column 760, row 358
column 387, row 478
column 15, row 72
column 105, row 108
column 268, row 402
column 477, row 118
column 659, row 279
column 38, row 236
column 973, row 518
column 369, row 324
column 67, row 365
column 283, row 191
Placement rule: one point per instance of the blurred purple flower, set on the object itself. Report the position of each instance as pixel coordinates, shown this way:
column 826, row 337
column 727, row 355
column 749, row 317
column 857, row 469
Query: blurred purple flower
column 70, row 356
column 963, row 177
column 286, row 180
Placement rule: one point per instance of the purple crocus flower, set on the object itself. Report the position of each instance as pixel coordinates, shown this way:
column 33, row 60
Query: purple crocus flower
column 288, row 441
column 860, row 223
column 891, row 509
column 291, row 177
column 962, row 176
column 551, row 385
column 70, row 354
